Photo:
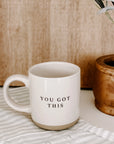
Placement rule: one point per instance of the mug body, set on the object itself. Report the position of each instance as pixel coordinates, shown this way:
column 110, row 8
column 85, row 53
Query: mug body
column 54, row 94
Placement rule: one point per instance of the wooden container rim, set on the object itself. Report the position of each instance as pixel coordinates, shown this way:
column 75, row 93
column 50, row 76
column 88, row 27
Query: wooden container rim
column 102, row 66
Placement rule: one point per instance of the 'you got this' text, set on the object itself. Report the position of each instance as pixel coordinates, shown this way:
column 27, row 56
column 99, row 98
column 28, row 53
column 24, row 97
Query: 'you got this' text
column 55, row 102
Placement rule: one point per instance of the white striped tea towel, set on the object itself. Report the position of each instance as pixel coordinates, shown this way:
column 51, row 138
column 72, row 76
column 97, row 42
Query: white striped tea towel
column 18, row 128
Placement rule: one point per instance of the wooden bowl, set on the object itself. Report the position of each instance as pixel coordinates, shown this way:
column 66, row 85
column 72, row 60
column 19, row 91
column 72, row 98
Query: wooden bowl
column 103, row 86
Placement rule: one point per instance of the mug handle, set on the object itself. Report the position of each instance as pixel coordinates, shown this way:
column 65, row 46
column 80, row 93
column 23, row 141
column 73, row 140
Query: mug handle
column 7, row 98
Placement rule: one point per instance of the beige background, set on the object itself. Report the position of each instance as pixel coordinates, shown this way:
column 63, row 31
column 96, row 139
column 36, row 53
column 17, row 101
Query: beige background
column 34, row 31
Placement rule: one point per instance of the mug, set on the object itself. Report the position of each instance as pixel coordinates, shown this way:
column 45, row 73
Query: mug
column 54, row 94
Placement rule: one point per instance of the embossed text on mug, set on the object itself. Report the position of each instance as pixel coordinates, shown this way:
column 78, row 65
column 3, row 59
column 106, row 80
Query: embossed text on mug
column 55, row 102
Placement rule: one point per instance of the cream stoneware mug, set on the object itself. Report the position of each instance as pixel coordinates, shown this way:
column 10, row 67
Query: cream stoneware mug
column 54, row 94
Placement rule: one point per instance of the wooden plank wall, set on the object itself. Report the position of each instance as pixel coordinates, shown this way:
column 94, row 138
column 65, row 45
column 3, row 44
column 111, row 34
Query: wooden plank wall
column 35, row 31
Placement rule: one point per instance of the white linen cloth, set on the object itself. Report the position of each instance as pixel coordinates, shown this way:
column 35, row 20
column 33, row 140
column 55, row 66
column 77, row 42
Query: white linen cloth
column 18, row 128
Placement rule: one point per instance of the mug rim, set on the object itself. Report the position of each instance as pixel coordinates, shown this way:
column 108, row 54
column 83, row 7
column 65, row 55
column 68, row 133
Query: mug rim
column 59, row 62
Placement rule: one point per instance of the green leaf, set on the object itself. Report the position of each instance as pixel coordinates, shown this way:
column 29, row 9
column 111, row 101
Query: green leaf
column 100, row 3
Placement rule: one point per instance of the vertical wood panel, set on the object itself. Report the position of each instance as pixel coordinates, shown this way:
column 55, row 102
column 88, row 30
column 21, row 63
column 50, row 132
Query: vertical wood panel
column 59, row 29
column 34, row 31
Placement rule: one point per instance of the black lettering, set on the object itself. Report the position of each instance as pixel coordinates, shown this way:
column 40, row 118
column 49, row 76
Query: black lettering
column 51, row 99
column 58, row 105
column 64, row 99
column 46, row 99
column 49, row 105
column 41, row 98
column 53, row 105
column 59, row 99
column 61, row 105
column 68, row 97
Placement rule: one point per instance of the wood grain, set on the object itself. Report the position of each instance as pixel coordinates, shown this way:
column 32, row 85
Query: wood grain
column 34, row 31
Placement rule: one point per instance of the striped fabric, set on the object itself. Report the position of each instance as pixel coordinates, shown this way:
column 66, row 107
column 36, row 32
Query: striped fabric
column 18, row 128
